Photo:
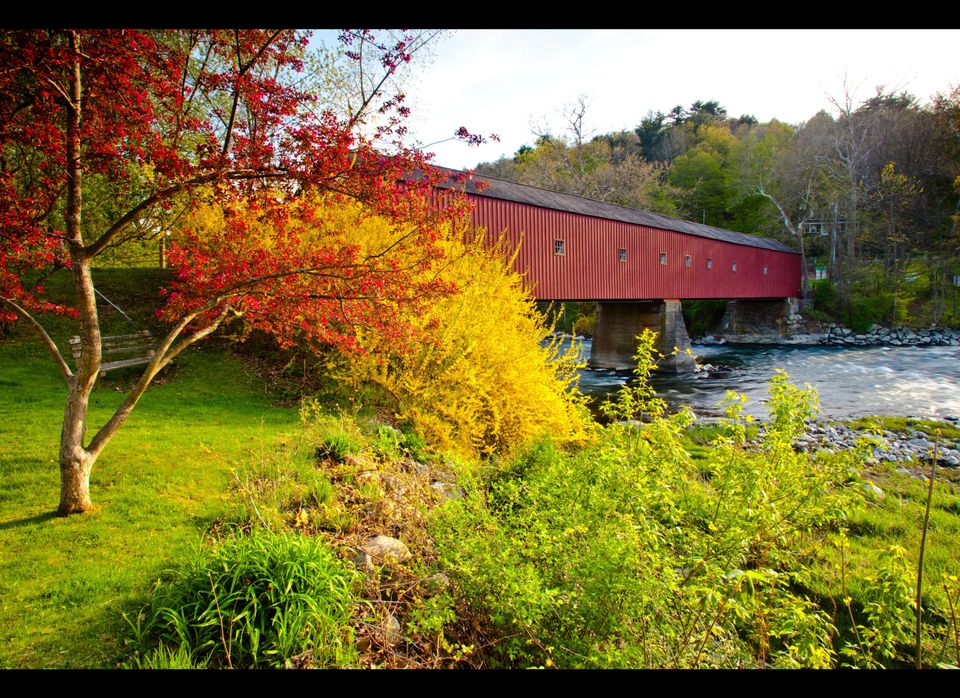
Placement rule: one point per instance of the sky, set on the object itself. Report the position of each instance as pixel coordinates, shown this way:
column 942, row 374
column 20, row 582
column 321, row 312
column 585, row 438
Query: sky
column 509, row 82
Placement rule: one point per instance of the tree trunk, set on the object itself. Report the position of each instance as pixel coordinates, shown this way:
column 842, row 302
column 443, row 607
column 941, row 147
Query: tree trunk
column 75, row 460
column 75, row 484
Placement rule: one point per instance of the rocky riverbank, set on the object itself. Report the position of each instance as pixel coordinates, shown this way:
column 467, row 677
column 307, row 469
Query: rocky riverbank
column 916, row 445
column 837, row 335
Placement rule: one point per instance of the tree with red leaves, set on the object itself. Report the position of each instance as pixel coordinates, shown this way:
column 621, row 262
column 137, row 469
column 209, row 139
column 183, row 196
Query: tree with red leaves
column 166, row 119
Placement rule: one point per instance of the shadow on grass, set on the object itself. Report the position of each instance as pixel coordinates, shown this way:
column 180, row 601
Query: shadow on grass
column 29, row 521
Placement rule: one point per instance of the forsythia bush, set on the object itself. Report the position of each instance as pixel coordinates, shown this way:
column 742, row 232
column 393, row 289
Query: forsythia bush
column 476, row 377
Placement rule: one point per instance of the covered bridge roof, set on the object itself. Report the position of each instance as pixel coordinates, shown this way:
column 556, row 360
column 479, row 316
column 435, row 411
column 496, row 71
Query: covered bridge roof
column 535, row 196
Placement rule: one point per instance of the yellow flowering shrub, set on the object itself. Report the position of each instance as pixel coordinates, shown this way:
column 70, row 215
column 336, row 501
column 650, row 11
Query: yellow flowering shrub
column 477, row 377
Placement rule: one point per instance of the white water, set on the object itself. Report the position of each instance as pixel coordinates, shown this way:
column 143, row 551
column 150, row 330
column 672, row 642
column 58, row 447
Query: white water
column 851, row 382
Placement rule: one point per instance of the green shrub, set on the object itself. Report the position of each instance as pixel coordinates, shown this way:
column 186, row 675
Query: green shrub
column 256, row 601
column 626, row 555
column 414, row 444
column 866, row 311
column 386, row 442
column 888, row 613
column 825, row 296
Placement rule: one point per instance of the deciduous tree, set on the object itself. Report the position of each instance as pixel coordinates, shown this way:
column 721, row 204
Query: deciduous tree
column 171, row 118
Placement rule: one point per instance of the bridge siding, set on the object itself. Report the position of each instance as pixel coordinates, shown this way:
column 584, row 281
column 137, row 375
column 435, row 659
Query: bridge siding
column 590, row 270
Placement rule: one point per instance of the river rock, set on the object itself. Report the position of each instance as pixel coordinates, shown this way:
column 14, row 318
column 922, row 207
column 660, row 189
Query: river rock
column 386, row 549
column 803, row 331
column 392, row 632
column 447, row 490
column 362, row 560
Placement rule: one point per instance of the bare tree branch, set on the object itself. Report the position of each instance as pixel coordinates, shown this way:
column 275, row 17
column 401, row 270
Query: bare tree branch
column 48, row 342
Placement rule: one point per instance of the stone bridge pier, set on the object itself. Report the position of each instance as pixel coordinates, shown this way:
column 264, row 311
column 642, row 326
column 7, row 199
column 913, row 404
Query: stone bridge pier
column 761, row 321
column 619, row 323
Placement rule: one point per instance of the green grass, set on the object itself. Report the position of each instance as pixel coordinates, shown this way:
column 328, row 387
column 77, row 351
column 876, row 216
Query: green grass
column 897, row 518
column 906, row 425
column 157, row 487
column 698, row 438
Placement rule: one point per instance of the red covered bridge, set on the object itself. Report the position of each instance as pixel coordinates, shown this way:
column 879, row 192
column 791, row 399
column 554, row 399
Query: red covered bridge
column 637, row 265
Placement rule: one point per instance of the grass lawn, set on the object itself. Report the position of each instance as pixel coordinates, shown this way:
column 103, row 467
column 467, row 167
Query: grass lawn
column 160, row 483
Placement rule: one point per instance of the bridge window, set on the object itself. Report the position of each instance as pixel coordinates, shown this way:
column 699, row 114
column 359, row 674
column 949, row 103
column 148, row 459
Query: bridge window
column 709, row 262
column 622, row 254
column 663, row 258
column 764, row 268
column 558, row 247
column 733, row 267
column 687, row 261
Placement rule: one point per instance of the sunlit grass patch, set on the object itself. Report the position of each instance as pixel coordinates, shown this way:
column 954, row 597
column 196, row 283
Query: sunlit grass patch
column 159, row 484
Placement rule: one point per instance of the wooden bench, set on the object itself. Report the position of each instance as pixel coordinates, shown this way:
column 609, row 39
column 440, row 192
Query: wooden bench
column 137, row 347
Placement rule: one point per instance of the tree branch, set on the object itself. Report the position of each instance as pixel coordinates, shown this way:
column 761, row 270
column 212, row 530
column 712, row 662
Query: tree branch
column 196, row 85
column 161, row 358
column 242, row 69
column 783, row 214
column 95, row 248
column 48, row 342
column 130, row 216
column 56, row 86
column 797, row 231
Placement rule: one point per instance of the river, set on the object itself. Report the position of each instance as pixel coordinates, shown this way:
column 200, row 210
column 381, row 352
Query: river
column 851, row 382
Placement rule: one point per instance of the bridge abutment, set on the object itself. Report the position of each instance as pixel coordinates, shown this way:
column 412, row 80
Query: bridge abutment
column 758, row 321
column 619, row 323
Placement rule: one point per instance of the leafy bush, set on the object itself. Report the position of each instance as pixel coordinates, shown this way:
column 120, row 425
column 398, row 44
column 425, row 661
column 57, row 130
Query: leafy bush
column 414, row 444
column 866, row 311
column 474, row 377
column 255, row 601
column 825, row 296
column 387, row 442
column 888, row 612
column 585, row 325
column 629, row 554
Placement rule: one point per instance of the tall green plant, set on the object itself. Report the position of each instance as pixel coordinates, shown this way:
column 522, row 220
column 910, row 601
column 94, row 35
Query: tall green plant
column 256, row 601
